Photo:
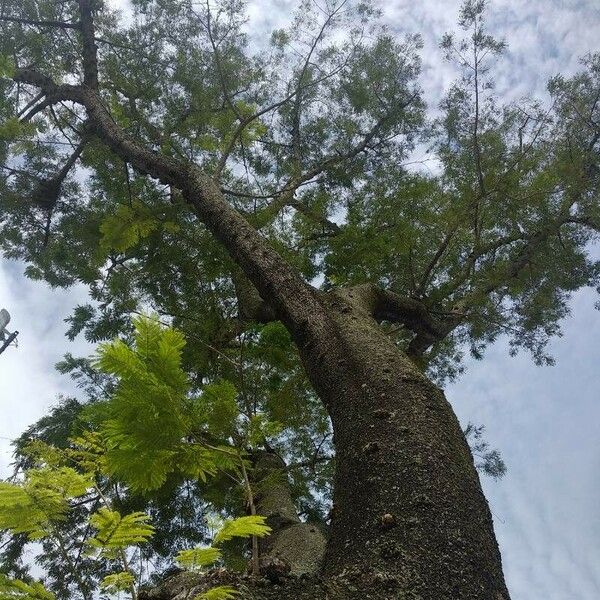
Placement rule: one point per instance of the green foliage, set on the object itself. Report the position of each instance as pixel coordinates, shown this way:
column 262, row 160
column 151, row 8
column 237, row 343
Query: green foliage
column 219, row 407
column 223, row 592
column 13, row 128
column 117, row 582
column 130, row 224
column 488, row 461
column 116, row 532
column 147, row 418
column 88, row 451
column 197, row 558
column 34, row 506
column 7, row 66
column 242, row 527
column 126, row 227
column 260, row 428
column 14, row 589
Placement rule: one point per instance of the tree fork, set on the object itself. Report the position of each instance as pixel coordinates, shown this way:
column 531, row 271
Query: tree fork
column 300, row 545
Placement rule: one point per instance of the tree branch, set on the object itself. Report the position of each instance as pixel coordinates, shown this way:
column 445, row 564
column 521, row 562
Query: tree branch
column 385, row 305
column 434, row 261
column 289, row 295
column 295, row 93
column 48, row 191
column 251, row 307
column 286, row 197
column 90, row 50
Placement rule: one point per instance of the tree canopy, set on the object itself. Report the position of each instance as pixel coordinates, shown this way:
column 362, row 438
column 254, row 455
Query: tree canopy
column 314, row 137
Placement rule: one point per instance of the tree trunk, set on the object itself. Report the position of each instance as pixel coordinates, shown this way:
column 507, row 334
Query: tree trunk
column 408, row 506
column 409, row 513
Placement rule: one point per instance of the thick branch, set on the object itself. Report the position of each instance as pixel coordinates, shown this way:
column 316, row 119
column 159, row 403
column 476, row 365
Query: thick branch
column 300, row 545
column 48, row 191
column 385, row 305
column 434, row 261
column 251, row 307
column 292, row 299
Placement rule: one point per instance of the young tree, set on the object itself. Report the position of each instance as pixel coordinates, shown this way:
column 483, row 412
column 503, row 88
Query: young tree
column 222, row 183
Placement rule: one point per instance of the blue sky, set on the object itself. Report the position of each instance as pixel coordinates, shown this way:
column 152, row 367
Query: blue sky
column 544, row 420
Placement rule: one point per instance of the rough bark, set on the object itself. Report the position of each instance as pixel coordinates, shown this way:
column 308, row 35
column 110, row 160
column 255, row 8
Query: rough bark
column 409, row 517
column 408, row 505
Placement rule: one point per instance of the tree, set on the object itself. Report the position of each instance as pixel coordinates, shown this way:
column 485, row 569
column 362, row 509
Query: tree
column 245, row 187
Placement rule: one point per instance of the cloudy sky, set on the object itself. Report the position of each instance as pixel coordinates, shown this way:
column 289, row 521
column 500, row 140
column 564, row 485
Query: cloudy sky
column 544, row 420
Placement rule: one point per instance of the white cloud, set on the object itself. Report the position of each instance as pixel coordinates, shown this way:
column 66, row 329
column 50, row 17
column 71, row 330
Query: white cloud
column 545, row 422
column 28, row 382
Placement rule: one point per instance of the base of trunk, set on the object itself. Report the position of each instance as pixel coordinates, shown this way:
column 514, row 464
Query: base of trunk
column 184, row 586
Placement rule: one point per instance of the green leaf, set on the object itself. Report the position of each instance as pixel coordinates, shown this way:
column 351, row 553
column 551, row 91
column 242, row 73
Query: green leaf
column 223, row 592
column 148, row 417
column 196, row 558
column 7, row 66
column 116, row 532
column 127, row 227
column 117, row 582
column 13, row 128
column 41, row 500
column 260, row 428
column 88, row 452
column 15, row 589
column 220, row 407
column 242, row 527
column 196, row 461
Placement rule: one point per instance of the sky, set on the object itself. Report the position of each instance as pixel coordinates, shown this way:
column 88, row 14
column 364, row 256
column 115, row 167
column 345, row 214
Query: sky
column 544, row 420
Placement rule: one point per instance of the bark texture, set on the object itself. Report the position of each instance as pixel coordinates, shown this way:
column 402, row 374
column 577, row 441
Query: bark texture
column 408, row 505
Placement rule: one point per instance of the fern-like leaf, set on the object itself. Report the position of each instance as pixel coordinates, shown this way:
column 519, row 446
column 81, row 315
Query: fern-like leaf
column 117, row 582
column 88, row 452
column 223, row 592
column 196, row 558
column 116, row 532
column 15, row 589
column 242, row 527
column 42, row 499
column 148, row 416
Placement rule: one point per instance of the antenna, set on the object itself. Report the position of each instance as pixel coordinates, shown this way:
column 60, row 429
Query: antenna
column 5, row 337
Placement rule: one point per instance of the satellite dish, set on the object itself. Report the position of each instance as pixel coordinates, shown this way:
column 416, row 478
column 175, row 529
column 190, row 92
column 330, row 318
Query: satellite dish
column 6, row 338
column 4, row 320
